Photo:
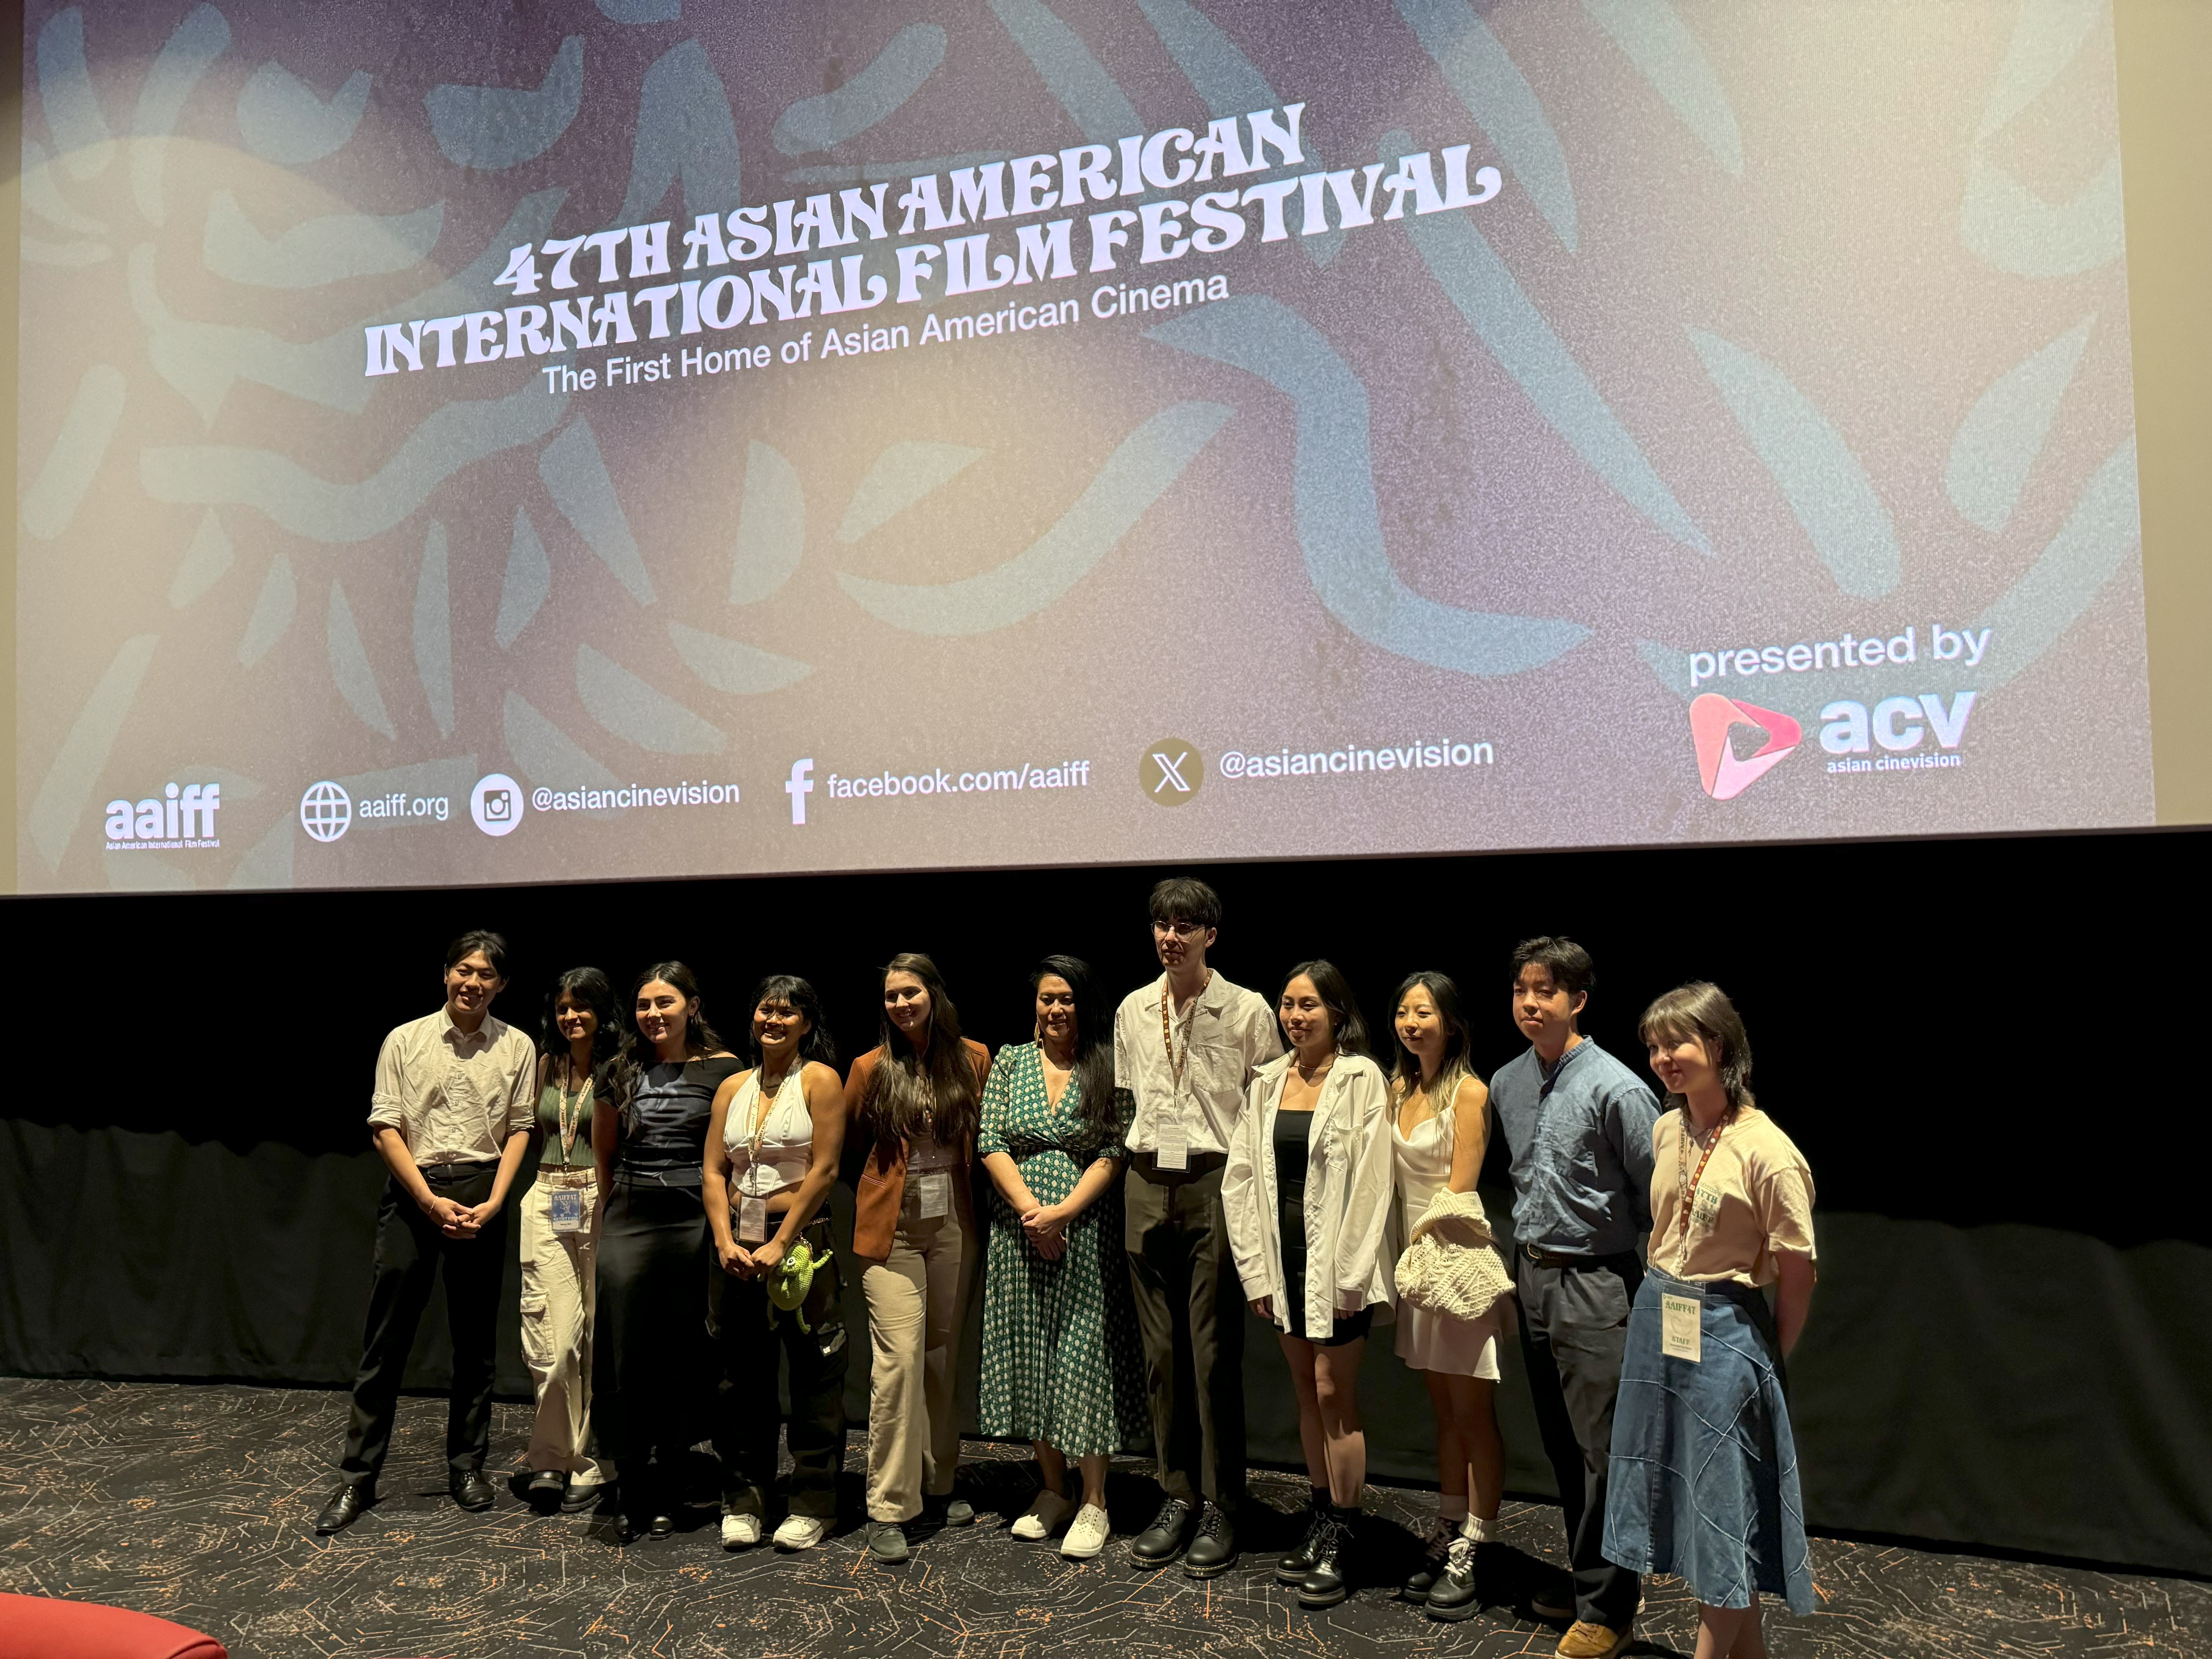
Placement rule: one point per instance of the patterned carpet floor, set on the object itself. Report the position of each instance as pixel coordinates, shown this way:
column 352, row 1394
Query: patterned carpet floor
column 196, row 1504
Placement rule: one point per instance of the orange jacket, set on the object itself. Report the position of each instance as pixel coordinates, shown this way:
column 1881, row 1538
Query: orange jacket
column 881, row 1188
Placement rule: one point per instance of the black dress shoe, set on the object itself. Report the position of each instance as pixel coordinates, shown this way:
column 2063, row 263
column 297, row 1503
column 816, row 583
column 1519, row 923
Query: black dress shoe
column 660, row 1525
column 1213, row 1548
column 1167, row 1537
column 470, row 1491
column 345, row 1507
column 1293, row 1567
column 546, row 1489
column 575, row 1497
column 1330, row 1581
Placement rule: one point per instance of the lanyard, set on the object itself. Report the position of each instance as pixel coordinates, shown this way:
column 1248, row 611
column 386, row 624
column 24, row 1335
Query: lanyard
column 1167, row 1032
column 760, row 1113
column 569, row 1113
column 1686, row 1184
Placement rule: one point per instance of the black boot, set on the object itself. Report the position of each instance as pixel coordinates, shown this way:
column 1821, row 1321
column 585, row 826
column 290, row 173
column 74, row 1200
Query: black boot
column 1435, row 1546
column 1459, row 1593
column 1330, row 1580
column 1293, row 1567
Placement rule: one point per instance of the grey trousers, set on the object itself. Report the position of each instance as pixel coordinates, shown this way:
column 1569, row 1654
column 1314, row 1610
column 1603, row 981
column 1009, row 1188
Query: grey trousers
column 1574, row 1328
column 1190, row 1317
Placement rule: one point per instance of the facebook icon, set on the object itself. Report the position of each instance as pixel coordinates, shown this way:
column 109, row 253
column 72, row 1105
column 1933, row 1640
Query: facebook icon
column 798, row 787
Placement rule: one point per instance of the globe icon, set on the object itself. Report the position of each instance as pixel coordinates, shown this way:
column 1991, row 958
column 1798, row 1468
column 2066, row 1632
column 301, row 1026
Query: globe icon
column 325, row 811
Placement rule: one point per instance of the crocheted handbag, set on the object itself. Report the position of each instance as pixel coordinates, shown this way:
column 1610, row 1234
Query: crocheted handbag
column 1451, row 1265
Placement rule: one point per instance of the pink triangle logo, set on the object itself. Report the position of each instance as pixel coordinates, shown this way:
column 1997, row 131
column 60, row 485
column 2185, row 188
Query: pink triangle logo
column 1712, row 716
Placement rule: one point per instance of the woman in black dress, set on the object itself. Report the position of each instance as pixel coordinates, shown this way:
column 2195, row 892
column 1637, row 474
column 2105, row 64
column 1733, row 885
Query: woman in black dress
column 652, row 1366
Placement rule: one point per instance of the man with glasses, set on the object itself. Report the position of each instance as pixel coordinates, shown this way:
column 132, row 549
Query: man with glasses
column 1184, row 1047
column 450, row 1117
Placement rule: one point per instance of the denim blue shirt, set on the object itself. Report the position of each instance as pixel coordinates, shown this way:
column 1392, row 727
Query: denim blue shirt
column 1580, row 1134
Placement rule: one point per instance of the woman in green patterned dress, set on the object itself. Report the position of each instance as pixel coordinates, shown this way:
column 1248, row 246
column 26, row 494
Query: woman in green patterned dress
column 1060, row 1365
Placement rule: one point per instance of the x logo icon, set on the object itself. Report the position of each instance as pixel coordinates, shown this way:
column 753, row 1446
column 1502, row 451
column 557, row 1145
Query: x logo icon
column 1171, row 772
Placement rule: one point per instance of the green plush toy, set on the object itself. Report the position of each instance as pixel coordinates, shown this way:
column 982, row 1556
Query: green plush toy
column 794, row 1277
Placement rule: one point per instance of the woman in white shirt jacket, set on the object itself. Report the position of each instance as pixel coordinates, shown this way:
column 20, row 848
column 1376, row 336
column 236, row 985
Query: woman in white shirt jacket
column 1306, row 1194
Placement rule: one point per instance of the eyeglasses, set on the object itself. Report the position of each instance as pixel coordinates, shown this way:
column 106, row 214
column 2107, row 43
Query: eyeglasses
column 1180, row 929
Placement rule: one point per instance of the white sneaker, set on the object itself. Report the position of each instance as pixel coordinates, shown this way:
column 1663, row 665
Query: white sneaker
column 1045, row 1516
column 800, row 1532
column 1088, row 1535
column 740, row 1531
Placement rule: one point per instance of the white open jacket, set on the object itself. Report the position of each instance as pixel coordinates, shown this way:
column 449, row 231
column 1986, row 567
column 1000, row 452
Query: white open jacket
column 1349, row 1166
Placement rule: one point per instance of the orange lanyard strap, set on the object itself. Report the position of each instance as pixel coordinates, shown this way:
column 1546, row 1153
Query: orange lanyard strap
column 1686, row 1183
column 1167, row 1036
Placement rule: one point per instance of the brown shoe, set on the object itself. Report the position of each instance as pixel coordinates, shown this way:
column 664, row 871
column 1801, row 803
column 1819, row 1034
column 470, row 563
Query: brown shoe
column 1588, row 1641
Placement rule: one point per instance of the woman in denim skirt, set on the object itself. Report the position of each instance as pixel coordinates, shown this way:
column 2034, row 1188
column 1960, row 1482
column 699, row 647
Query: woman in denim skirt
column 1704, row 1482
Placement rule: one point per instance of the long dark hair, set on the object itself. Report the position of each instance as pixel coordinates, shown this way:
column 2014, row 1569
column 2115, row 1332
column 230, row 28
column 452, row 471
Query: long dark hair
column 699, row 1039
column 936, row 1087
column 1345, row 1023
column 1702, row 1010
column 591, row 987
column 817, row 1044
column 1406, row 1075
column 1094, row 1040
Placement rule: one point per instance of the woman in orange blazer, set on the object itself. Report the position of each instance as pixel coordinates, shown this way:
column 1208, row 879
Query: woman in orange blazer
column 912, row 1104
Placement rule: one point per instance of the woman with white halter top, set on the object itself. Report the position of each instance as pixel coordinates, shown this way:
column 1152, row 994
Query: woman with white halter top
column 1439, row 1130
column 772, row 1152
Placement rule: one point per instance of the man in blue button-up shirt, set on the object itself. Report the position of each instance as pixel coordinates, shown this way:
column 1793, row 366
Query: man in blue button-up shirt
column 1578, row 1125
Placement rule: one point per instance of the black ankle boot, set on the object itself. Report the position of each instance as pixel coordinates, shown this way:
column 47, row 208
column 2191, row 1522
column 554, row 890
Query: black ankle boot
column 1330, row 1580
column 1468, row 1570
column 1293, row 1567
column 1436, row 1547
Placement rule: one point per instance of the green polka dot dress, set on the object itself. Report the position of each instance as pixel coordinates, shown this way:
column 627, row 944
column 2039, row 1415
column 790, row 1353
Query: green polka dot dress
column 1061, row 1361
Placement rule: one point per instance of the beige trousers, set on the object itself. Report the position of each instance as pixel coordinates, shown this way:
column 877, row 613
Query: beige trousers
column 558, row 1275
column 915, row 1298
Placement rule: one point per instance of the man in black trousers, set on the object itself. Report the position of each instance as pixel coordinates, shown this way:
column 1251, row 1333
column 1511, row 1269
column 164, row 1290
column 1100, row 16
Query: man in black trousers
column 1185, row 1046
column 1579, row 1124
column 451, row 1118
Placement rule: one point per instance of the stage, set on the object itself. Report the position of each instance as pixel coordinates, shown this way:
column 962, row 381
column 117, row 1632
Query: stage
column 195, row 1504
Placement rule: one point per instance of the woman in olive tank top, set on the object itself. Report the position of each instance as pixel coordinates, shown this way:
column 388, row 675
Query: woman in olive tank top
column 560, row 1241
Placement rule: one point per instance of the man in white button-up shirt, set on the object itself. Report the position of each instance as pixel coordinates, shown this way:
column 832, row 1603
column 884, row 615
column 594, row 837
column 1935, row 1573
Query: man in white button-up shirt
column 1184, row 1047
column 450, row 1117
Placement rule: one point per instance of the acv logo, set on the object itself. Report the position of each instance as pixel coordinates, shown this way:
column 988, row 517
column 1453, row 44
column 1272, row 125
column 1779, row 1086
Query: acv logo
column 1712, row 717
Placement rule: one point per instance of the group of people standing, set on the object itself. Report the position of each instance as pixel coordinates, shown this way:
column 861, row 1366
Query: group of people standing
column 1151, row 1172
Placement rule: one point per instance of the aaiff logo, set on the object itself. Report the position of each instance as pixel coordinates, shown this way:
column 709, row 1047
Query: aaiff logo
column 1712, row 717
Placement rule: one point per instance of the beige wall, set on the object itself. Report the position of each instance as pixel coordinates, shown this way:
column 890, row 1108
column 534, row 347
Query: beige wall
column 2166, row 144
column 11, row 234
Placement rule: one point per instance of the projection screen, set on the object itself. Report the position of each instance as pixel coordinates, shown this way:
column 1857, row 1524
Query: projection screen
column 664, row 437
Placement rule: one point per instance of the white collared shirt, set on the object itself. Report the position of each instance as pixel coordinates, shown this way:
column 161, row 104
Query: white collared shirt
column 455, row 1096
column 1347, row 1202
column 1232, row 1034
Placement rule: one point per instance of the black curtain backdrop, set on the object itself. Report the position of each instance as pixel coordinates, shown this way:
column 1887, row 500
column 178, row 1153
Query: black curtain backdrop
column 1988, row 1051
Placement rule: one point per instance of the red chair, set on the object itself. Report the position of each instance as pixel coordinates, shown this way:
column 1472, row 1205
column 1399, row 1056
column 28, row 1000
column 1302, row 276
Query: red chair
column 41, row 1627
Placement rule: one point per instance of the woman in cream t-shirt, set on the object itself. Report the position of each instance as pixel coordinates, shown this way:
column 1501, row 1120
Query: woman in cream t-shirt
column 1705, row 1481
